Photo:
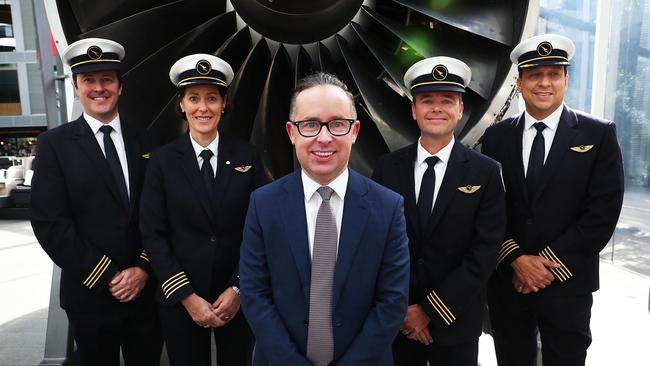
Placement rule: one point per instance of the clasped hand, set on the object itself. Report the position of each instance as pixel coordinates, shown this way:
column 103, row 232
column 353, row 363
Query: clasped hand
column 415, row 325
column 532, row 273
column 213, row 315
column 126, row 285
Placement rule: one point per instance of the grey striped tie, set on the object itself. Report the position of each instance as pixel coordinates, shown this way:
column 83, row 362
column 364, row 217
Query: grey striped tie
column 320, row 339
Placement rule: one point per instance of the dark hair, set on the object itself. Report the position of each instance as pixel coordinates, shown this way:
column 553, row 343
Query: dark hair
column 460, row 96
column 566, row 70
column 117, row 73
column 181, row 93
column 320, row 79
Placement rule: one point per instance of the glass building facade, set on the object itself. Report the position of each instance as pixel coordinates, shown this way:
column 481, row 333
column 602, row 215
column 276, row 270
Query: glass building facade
column 22, row 103
column 626, row 83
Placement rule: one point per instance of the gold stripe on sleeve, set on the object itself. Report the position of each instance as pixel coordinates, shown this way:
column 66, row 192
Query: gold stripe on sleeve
column 435, row 306
column 100, row 273
column 92, row 273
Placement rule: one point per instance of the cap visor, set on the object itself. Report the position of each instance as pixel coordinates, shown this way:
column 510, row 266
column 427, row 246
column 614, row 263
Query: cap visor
column 544, row 63
column 202, row 82
column 437, row 88
column 97, row 66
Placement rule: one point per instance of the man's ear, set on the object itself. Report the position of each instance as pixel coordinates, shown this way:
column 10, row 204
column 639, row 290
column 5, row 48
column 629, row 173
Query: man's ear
column 290, row 132
column 356, row 126
column 74, row 83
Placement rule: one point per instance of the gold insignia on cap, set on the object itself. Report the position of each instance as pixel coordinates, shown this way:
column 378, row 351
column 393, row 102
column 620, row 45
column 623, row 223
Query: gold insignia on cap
column 94, row 52
column 243, row 168
column 545, row 48
column 469, row 189
column 439, row 72
column 582, row 148
column 146, row 156
column 203, row 67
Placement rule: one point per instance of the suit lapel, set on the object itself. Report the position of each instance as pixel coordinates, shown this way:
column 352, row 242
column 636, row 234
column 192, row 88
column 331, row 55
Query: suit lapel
column 133, row 164
column 190, row 167
column 88, row 143
column 224, row 170
column 407, row 184
column 450, row 183
column 514, row 142
column 355, row 215
column 566, row 132
column 295, row 223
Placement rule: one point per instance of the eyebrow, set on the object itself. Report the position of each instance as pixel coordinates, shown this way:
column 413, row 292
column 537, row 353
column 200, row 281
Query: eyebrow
column 319, row 120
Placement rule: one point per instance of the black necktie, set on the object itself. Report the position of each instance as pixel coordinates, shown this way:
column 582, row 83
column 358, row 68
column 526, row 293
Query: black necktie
column 114, row 163
column 207, row 172
column 536, row 159
column 425, row 197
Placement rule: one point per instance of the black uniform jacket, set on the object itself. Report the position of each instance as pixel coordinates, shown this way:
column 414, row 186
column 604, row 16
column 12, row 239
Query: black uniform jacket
column 194, row 245
column 574, row 212
column 79, row 218
column 453, row 255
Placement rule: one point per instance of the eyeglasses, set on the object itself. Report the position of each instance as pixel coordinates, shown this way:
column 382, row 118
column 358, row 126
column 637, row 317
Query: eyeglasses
column 336, row 127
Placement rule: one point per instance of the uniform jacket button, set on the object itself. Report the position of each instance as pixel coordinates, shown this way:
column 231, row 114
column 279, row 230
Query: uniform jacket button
column 213, row 239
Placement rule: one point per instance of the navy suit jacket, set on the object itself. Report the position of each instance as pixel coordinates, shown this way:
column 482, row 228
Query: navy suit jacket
column 453, row 255
column 79, row 218
column 370, row 283
column 574, row 212
column 193, row 244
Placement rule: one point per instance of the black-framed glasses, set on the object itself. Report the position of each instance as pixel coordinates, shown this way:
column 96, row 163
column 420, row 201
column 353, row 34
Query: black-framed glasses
column 336, row 127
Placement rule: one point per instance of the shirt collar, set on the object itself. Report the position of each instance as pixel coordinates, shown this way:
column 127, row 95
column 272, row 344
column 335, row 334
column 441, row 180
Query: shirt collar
column 95, row 124
column 339, row 185
column 551, row 121
column 212, row 146
column 443, row 154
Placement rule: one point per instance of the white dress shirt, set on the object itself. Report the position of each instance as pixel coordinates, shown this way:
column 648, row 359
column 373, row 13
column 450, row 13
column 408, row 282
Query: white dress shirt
column 212, row 146
column 440, row 168
column 118, row 141
column 313, row 201
column 551, row 122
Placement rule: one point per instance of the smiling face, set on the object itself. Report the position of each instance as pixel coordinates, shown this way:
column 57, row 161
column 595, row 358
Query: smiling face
column 99, row 93
column 202, row 105
column 543, row 89
column 324, row 156
column 437, row 114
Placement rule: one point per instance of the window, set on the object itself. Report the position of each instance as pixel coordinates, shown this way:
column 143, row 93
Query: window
column 575, row 19
column 7, row 40
column 9, row 92
column 628, row 104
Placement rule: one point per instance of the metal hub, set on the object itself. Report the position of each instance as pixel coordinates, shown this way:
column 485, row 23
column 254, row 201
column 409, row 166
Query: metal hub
column 297, row 21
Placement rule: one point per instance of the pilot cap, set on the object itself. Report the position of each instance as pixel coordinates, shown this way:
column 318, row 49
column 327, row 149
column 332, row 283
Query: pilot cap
column 543, row 50
column 201, row 68
column 93, row 54
column 436, row 74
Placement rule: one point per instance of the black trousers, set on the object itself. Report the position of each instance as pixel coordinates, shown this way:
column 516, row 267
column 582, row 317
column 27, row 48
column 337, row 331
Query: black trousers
column 407, row 352
column 190, row 344
column 99, row 335
column 562, row 322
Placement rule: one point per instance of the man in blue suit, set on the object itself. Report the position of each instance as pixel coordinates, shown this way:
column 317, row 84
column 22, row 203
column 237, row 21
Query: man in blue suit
column 324, row 260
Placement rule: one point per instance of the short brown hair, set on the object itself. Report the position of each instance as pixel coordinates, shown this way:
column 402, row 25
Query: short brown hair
column 320, row 79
